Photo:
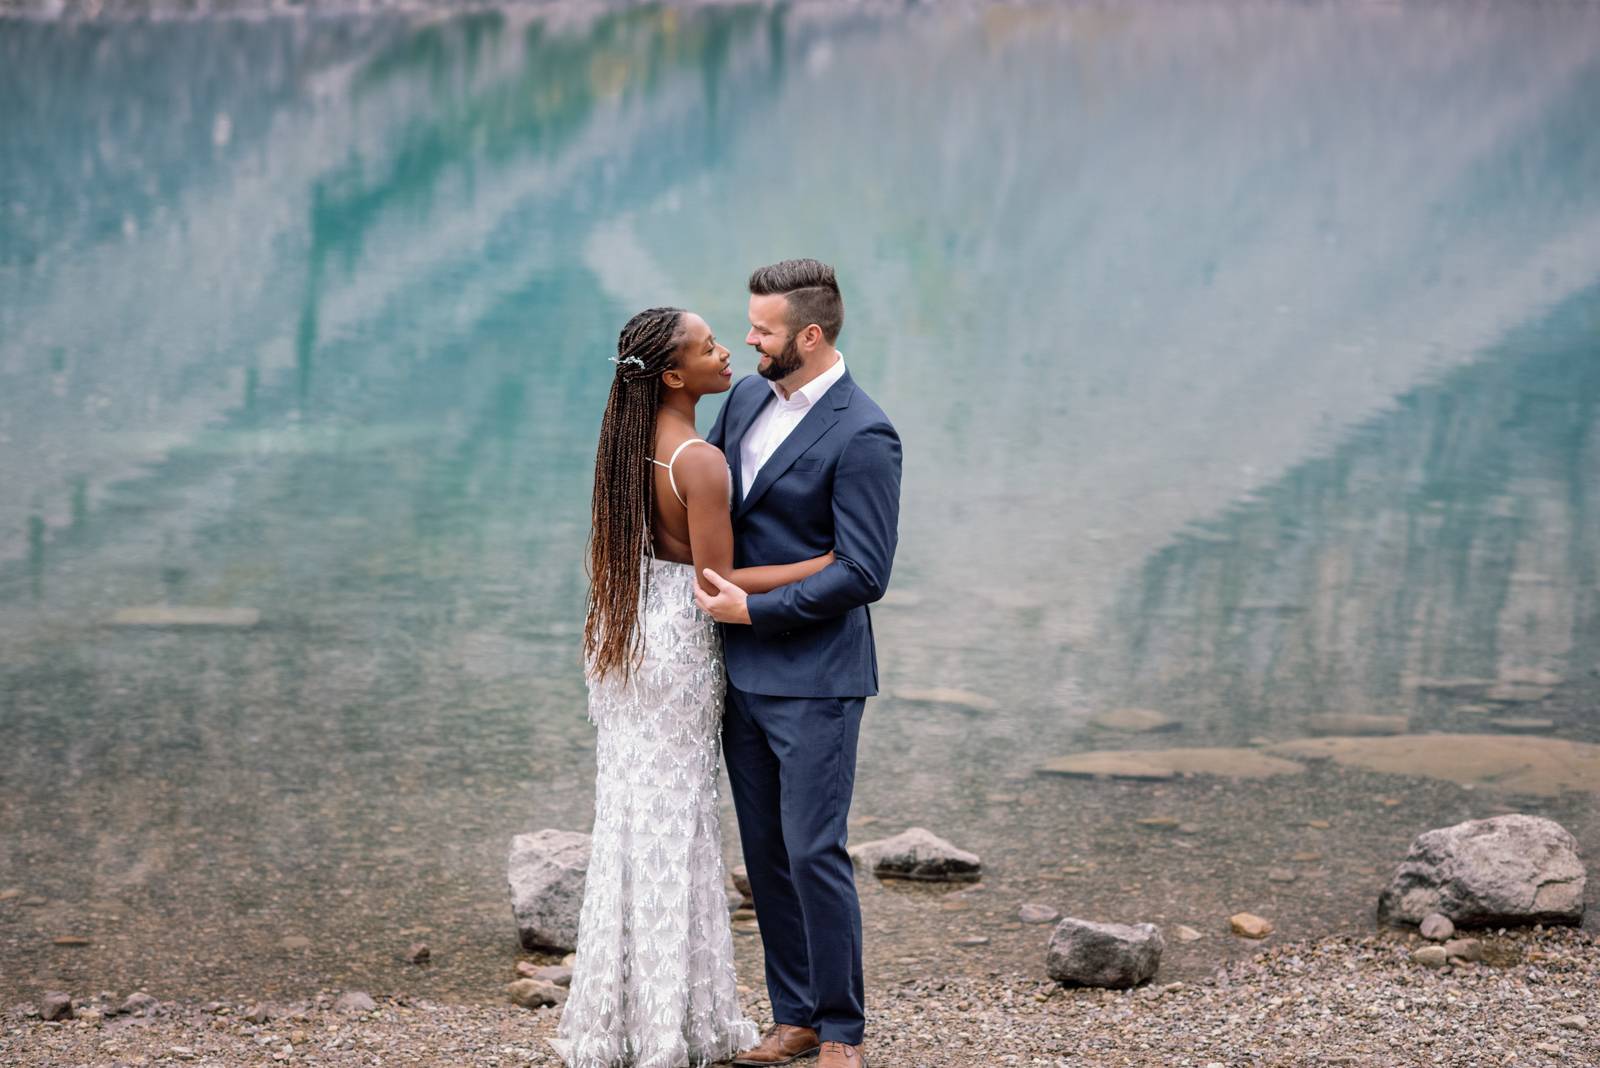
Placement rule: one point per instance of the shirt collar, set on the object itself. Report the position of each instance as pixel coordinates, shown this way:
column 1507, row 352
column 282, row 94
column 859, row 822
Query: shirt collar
column 813, row 391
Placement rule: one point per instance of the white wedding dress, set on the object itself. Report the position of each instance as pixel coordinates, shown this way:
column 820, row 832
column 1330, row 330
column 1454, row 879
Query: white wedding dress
column 653, row 985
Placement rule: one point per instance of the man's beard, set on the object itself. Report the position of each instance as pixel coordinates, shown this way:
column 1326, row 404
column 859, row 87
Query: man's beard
column 783, row 364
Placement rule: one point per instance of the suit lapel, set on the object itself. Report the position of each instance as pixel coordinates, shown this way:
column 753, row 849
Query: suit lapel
column 817, row 422
column 739, row 424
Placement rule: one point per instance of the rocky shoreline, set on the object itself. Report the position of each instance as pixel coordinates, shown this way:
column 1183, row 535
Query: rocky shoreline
column 1534, row 999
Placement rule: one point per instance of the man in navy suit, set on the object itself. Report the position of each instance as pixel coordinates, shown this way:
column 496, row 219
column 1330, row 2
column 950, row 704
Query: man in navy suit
column 816, row 468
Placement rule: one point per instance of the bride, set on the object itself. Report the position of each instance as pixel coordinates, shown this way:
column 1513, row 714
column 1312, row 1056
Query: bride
column 653, row 985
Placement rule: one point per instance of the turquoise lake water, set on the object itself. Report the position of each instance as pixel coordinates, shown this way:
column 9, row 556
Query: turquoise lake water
column 1246, row 357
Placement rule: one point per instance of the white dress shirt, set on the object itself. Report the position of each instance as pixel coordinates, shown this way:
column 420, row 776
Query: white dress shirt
column 778, row 419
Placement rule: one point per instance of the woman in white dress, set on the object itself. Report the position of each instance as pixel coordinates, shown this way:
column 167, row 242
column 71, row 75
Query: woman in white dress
column 653, row 985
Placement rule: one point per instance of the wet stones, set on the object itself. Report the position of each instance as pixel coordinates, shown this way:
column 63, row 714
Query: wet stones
column 1113, row 955
column 546, row 872
column 1513, row 869
column 919, row 854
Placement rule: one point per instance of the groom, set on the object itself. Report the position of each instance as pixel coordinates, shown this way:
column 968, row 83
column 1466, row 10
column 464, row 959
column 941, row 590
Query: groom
column 816, row 468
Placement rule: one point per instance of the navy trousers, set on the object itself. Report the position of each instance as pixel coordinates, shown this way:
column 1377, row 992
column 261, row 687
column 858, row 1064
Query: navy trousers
column 792, row 763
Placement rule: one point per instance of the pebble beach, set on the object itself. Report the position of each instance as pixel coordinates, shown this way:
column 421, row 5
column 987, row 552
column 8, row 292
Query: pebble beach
column 1532, row 1000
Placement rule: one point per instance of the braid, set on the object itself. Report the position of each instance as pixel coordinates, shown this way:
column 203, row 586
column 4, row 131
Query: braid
column 624, row 491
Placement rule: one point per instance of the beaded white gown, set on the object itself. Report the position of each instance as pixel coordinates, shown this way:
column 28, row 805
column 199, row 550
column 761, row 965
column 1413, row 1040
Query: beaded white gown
column 653, row 985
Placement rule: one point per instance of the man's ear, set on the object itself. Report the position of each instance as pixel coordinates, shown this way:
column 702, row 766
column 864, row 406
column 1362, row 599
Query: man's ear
column 672, row 379
column 811, row 336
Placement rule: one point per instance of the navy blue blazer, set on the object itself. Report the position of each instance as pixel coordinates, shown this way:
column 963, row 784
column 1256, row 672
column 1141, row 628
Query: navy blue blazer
column 834, row 484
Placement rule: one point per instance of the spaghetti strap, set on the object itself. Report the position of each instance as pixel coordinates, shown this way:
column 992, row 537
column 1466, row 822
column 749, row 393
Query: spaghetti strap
column 672, row 478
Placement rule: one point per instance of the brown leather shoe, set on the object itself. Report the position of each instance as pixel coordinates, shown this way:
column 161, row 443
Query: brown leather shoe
column 841, row 1055
column 782, row 1044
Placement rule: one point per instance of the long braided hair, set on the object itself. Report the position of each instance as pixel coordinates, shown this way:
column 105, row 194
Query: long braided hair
column 624, row 491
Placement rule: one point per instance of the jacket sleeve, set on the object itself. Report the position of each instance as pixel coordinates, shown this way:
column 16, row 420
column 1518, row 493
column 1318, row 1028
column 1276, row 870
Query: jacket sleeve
column 866, row 521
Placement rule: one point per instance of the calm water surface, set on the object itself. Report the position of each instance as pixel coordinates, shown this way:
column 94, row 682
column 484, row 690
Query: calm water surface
column 1247, row 359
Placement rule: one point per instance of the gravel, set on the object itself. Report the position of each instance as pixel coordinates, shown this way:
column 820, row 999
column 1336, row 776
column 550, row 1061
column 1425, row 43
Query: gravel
column 1349, row 1000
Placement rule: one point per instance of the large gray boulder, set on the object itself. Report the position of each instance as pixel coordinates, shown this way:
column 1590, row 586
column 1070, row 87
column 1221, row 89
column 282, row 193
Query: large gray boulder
column 546, row 871
column 1084, row 953
column 917, row 854
column 1506, row 870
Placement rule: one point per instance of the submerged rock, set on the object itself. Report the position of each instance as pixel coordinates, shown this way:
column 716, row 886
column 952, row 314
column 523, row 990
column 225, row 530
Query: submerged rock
column 1355, row 723
column 1114, row 955
column 1135, row 721
column 965, row 700
column 920, row 854
column 173, row 615
column 1514, row 869
column 1513, row 763
column 546, row 871
column 1158, row 764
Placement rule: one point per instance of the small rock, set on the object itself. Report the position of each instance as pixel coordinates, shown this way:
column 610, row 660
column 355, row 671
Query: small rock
column 55, row 1006
column 535, row 993
column 355, row 1001
column 1158, row 823
column 971, row 940
column 1280, row 875
column 1576, row 1023
column 1318, row 825
column 1249, row 925
column 138, row 1003
column 1436, row 927
column 70, row 940
column 419, row 953
column 1468, row 949
column 1430, row 956
column 295, row 942
column 1112, row 955
column 1185, row 933
column 559, row 974
column 1031, row 913
column 10, row 892
column 35, row 901
column 743, row 915
column 259, row 1014
column 917, row 854
column 741, row 882
column 1306, row 858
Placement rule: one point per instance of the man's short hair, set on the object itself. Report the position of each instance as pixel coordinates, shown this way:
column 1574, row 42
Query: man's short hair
column 812, row 291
